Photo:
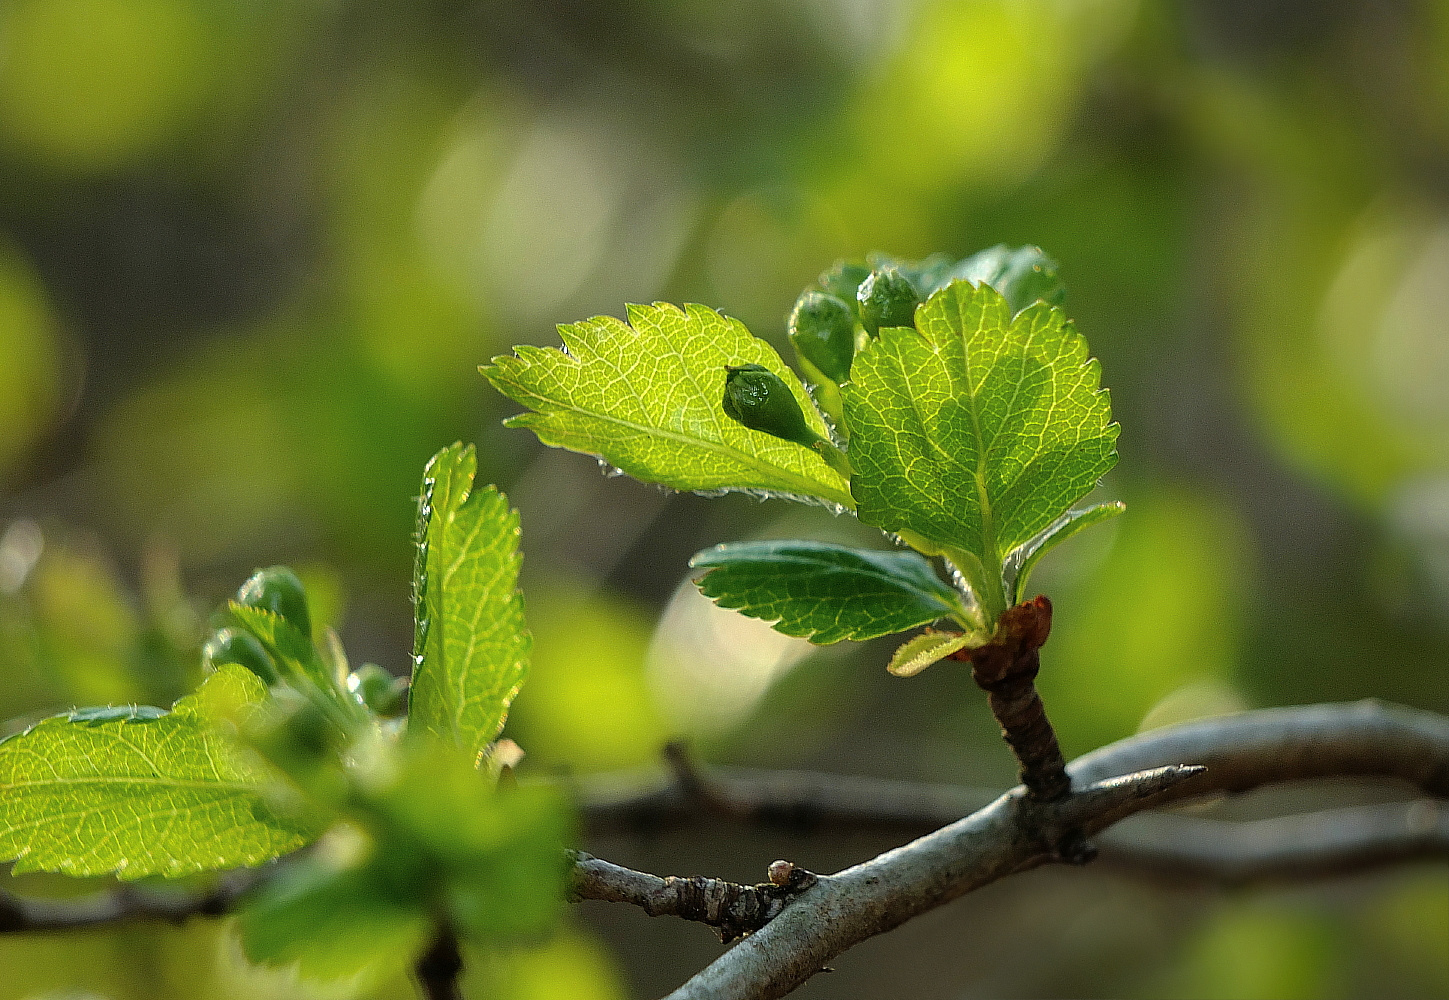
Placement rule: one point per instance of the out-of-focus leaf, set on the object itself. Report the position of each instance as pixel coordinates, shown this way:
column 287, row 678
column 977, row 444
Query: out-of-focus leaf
column 470, row 646
column 89, row 84
column 436, row 841
column 492, row 858
column 28, row 361
column 1183, row 564
column 826, row 593
column 138, row 791
column 331, row 921
column 645, row 396
column 588, row 705
column 976, row 430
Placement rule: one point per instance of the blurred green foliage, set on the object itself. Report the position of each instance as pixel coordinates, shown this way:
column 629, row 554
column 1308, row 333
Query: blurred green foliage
column 251, row 253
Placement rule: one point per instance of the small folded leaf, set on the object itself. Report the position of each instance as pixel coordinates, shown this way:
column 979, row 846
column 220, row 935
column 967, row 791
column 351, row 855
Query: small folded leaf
column 142, row 792
column 978, row 429
column 471, row 646
column 826, row 593
column 1023, row 559
column 645, row 397
column 925, row 649
column 296, row 658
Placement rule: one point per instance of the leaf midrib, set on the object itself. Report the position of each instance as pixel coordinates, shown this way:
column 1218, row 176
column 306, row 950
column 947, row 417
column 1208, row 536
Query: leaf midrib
column 103, row 780
column 873, row 573
column 992, row 558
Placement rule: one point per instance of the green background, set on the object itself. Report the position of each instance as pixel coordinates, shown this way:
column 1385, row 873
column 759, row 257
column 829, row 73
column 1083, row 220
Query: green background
column 252, row 253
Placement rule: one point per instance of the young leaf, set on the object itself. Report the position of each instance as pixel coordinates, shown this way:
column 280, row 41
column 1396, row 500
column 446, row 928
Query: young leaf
column 471, row 647
column 141, row 792
column 645, row 397
column 925, row 649
column 976, row 430
column 826, row 593
column 1023, row 559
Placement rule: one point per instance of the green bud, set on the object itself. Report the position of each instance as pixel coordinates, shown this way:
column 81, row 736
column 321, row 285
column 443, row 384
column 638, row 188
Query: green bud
column 822, row 328
column 229, row 645
column 843, row 279
column 887, row 298
column 277, row 589
column 379, row 690
column 759, row 399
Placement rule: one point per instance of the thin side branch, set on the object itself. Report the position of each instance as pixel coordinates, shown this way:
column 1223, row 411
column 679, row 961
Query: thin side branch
column 731, row 908
column 1309, row 845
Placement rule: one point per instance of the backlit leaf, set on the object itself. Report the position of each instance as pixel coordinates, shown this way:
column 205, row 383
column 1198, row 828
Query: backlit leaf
column 1023, row 559
column 645, row 397
column 471, row 646
column 976, row 430
column 138, row 791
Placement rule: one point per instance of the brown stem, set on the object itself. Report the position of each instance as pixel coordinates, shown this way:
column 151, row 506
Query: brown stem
column 1006, row 668
column 437, row 969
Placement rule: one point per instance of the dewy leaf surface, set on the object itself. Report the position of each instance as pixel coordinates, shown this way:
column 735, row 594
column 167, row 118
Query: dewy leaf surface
column 979, row 430
column 471, row 646
column 141, row 792
column 826, row 593
column 646, row 397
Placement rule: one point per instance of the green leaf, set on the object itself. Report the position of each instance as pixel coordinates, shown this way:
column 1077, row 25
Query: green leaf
column 976, row 430
column 826, row 593
column 141, row 792
column 471, row 647
column 1023, row 559
column 925, row 649
column 645, row 397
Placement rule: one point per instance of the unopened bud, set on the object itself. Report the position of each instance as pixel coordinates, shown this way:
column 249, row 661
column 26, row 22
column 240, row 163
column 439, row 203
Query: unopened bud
column 822, row 328
column 278, row 590
column 760, row 399
column 780, row 872
column 229, row 645
column 887, row 298
column 379, row 690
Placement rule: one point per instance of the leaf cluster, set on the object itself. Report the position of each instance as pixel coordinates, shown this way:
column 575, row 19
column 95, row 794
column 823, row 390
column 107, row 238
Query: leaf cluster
column 952, row 404
column 284, row 745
